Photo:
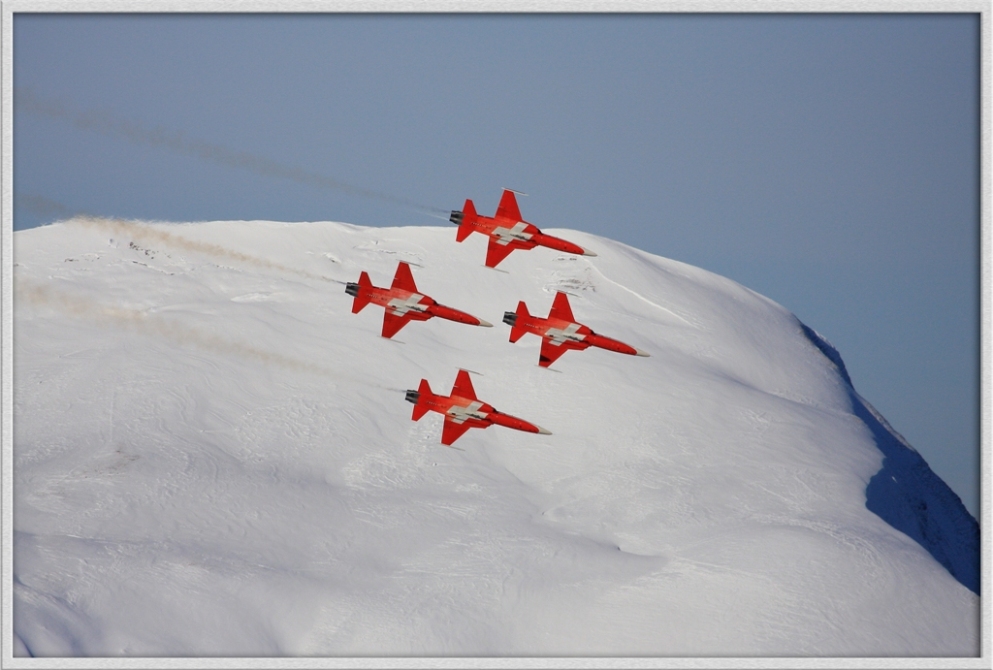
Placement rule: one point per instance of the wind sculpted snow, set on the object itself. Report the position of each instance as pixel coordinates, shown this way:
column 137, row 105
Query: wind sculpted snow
column 213, row 456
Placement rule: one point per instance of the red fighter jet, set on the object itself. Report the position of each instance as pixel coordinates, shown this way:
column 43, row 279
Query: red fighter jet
column 403, row 303
column 560, row 332
column 462, row 410
column 507, row 231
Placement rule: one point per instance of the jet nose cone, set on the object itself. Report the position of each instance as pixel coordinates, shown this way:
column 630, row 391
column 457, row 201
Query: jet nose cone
column 485, row 324
column 587, row 252
column 639, row 352
column 542, row 431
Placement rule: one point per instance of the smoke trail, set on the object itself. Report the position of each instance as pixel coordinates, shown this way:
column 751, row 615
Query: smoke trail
column 147, row 234
column 26, row 101
column 143, row 322
column 42, row 205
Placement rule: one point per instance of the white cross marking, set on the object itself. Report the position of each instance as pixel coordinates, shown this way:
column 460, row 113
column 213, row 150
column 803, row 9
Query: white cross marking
column 460, row 414
column 508, row 235
column 558, row 335
column 401, row 307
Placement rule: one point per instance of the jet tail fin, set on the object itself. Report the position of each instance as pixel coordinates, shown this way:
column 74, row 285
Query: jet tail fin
column 360, row 291
column 465, row 219
column 420, row 408
column 517, row 331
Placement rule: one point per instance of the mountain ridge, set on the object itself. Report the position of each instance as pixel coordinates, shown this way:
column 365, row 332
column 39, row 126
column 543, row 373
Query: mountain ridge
column 736, row 473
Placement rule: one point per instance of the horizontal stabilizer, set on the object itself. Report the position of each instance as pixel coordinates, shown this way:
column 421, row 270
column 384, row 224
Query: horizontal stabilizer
column 466, row 219
column 419, row 411
column 360, row 291
column 517, row 331
column 422, row 394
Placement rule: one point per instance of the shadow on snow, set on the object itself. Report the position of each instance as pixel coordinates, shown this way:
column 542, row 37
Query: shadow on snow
column 907, row 495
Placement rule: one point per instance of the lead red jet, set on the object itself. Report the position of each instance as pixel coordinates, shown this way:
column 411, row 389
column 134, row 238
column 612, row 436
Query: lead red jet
column 560, row 332
column 507, row 231
column 462, row 410
column 403, row 303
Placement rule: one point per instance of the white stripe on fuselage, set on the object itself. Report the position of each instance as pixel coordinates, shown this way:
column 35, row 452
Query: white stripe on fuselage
column 401, row 307
column 559, row 335
column 459, row 414
column 508, row 235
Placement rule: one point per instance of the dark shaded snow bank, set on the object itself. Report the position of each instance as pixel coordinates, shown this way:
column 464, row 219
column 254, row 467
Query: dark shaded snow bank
column 907, row 494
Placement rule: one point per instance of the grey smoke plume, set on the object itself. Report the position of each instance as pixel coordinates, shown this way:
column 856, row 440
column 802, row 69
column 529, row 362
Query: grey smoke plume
column 26, row 101
column 81, row 307
column 41, row 205
column 148, row 234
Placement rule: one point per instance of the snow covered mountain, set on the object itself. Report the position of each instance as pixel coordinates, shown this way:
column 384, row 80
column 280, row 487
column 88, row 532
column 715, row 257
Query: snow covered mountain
column 213, row 456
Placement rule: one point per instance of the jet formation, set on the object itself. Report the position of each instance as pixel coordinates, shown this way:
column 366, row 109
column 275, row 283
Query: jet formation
column 462, row 410
column 507, row 231
column 560, row 331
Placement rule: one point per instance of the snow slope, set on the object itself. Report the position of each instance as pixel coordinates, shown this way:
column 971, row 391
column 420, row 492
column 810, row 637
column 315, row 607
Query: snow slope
column 213, row 456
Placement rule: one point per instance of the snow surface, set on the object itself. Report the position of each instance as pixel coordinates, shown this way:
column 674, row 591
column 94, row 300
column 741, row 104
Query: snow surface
column 213, row 456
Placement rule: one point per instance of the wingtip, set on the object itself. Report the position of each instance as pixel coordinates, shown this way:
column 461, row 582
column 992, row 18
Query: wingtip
column 639, row 352
column 485, row 324
column 587, row 252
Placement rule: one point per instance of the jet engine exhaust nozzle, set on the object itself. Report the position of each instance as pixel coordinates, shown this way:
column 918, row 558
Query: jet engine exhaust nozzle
column 509, row 318
column 456, row 217
column 412, row 396
column 352, row 289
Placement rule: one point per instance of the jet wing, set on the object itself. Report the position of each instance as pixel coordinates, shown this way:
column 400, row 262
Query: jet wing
column 507, row 209
column 403, row 279
column 452, row 431
column 392, row 324
column 463, row 386
column 561, row 308
column 550, row 352
column 496, row 252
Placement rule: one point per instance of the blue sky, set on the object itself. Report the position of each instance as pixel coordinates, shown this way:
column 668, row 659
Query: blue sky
column 829, row 162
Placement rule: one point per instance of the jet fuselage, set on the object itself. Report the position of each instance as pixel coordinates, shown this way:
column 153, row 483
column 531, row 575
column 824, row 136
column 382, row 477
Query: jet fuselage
column 559, row 332
column 508, row 231
column 462, row 410
column 403, row 303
